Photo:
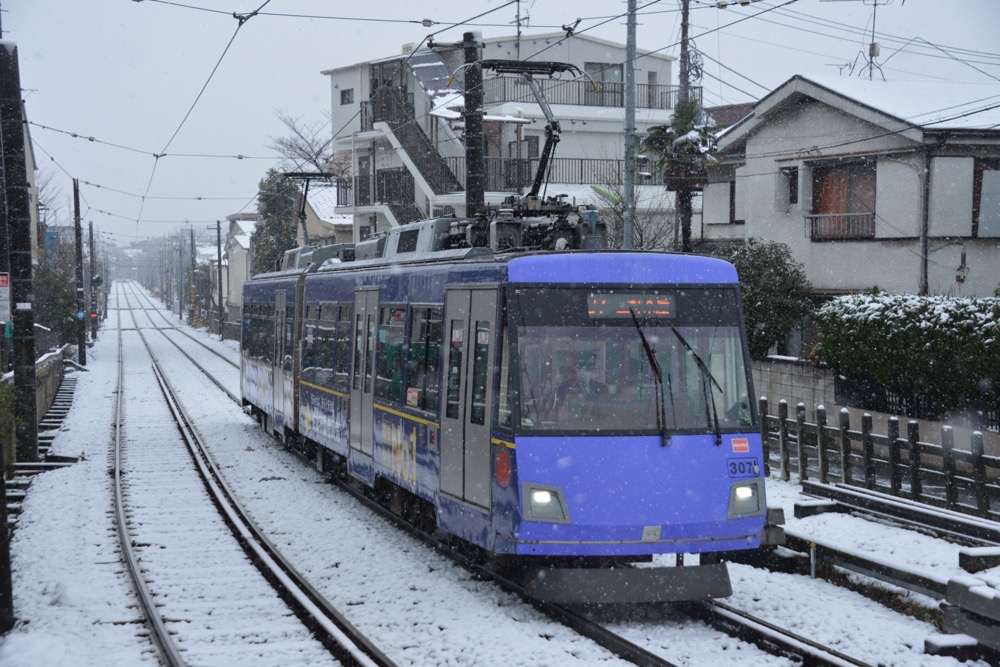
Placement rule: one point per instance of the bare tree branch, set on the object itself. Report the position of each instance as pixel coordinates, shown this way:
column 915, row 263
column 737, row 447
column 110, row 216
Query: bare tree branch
column 309, row 145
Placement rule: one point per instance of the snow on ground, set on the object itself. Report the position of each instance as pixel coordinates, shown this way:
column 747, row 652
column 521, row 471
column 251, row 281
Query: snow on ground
column 74, row 602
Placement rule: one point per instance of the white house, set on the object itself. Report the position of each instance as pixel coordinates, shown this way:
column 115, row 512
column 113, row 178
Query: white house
column 870, row 183
column 401, row 120
column 238, row 260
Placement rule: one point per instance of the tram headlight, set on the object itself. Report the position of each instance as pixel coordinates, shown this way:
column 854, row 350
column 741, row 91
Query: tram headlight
column 544, row 503
column 745, row 498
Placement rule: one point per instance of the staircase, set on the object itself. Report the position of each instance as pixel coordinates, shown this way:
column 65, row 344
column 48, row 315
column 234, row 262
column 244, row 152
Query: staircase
column 388, row 106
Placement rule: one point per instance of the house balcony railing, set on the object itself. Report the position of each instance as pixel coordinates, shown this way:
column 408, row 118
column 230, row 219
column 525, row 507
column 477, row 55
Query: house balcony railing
column 841, row 226
column 513, row 174
column 581, row 92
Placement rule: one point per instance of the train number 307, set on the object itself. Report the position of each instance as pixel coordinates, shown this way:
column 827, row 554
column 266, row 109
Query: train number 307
column 743, row 467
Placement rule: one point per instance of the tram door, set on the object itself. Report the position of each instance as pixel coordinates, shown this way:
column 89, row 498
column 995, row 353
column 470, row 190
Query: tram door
column 277, row 364
column 470, row 330
column 362, row 372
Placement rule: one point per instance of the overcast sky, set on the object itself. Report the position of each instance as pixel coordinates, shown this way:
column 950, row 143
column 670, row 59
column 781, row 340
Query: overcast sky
column 129, row 73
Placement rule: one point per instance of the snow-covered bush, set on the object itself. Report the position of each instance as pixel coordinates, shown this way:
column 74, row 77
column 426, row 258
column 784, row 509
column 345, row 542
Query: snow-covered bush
column 945, row 350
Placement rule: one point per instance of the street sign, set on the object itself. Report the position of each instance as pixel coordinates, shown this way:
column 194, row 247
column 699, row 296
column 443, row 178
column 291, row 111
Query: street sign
column 80, row 315
column 5, row 315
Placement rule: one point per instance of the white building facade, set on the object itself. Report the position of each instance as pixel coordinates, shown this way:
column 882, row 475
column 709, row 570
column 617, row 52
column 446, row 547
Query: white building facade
column 401, row 120
column 870, row 183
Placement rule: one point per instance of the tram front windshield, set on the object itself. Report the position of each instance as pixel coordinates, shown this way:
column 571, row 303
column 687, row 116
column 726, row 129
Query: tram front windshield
column 586, row 360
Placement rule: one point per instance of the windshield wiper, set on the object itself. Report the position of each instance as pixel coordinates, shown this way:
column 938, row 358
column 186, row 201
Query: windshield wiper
column 710, row 398
column 661, row 403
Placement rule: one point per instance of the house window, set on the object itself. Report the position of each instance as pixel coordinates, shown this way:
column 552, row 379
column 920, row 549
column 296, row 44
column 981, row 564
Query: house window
column 347, row 96
column 986, row 199
column 792, row 174
column 843, row 202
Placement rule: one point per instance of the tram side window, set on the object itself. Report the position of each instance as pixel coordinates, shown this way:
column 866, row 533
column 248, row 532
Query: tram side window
column 504, row 417
column 325, row 333
column 359, row 351
column 309, row 343
column 246, row 333
column 256, row 344
column 480, row 366
column 389, row 369
column 289, row 335
column 423, row 370
column 342, row 355
column 252, row 335
column 267, row 334
column 370, row 333
column 456, row 330
column 318, row 343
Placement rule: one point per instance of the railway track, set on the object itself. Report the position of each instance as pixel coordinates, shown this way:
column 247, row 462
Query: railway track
column 206, row 576
column 766, row 636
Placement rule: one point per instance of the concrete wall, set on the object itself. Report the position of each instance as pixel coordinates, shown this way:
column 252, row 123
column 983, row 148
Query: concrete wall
column 48, row 376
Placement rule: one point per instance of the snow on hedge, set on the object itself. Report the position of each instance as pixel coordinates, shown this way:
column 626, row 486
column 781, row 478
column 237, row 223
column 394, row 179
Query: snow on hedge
column 946, row 349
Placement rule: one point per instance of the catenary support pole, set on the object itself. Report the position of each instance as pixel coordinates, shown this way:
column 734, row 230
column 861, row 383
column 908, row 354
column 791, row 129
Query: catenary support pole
column 19, row 234
column 475, row 185
column 81, row 322
column 222, row 304
column 628, row 200
column 192, row 295
column 93, row 286
column 10, row 96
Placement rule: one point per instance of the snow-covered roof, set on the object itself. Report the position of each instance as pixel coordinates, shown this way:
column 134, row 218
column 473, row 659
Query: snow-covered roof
column 323, row 201
column 928, row 104
column 910, row 108
column 243, row 240
column 246, row 226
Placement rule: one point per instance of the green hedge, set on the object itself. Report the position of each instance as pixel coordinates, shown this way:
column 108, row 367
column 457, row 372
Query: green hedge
column 945, row 350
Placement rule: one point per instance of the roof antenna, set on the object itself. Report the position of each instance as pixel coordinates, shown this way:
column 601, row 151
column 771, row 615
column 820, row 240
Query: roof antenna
column 873, row 46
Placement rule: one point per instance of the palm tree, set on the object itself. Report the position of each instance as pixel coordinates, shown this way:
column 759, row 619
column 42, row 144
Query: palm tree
column 682, row 147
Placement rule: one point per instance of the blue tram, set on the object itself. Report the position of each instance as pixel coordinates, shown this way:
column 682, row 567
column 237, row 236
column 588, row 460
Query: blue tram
column 564, row 411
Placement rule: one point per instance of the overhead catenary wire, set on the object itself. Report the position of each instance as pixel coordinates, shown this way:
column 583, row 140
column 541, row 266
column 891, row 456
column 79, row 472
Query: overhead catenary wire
column 269, row 14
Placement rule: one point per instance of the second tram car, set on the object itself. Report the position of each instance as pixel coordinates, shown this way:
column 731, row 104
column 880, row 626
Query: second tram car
column 575, row 413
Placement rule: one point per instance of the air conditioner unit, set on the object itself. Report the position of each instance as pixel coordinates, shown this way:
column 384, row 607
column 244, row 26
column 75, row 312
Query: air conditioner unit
column 408, row 48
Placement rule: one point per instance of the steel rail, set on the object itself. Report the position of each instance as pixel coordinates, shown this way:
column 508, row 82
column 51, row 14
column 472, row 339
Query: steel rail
column 180, row 330
column 162, row 638
column 343, row 639
column 767, row 636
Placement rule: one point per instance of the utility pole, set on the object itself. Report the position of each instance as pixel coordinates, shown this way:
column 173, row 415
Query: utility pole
column 475, row 185
column 94, row 282
column 81, row 310
column 684, row 76
column 218, row 250
column 683, row 192
column 19, row 235
column 10, row 105
column 628, row 214
column 191, row 310
column 180, row 278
